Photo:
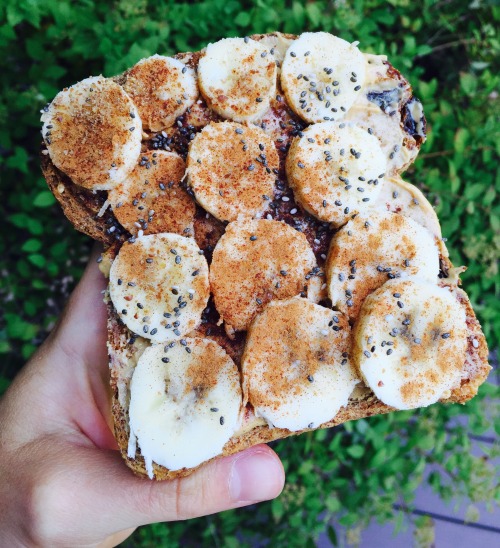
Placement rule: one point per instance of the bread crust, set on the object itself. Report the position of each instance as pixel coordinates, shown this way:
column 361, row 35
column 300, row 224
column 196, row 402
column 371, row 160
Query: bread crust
column 89, row 213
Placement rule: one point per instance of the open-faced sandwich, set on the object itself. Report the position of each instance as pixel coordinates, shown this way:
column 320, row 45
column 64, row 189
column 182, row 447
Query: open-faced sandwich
column 270, row 272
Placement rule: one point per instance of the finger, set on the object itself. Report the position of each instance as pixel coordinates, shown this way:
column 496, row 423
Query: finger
column 251, row 476
column 74, row 361
column 113, row 499
column 81, row 332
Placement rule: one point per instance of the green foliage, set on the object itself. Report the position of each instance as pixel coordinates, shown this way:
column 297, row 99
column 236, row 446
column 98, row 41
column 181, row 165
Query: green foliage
column 449, row 51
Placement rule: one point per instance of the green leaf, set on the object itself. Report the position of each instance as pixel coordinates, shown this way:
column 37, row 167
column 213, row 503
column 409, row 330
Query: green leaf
column 19, row 160
column 44, row 199
column 332, row 535
column 37, row 259
column 242, row 19
column 31, row 245
column 277, row 509
column 468, row 82
column 356, row 451
column 461, row 138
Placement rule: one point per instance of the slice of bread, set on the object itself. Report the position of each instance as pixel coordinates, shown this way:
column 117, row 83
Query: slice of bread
column 362, row 403
column 386, row 103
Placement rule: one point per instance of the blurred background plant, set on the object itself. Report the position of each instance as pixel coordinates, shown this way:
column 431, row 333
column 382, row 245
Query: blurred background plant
column 449, row 51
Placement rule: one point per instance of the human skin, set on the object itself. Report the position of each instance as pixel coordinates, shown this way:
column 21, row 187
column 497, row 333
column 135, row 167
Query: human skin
column 62, row 479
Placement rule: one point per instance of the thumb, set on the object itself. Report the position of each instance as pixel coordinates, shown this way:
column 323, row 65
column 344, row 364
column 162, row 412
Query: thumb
column 106, row 493
column 252, row 476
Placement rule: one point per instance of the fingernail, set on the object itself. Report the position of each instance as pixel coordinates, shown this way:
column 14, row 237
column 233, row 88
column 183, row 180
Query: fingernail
column 255, row 476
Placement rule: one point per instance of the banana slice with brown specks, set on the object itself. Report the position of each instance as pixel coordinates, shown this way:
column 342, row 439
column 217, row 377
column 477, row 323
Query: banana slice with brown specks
column 335, row 170
column 93, row 133
column 232, row 169
column 322, row 75
column 183, row 393
column 296, row 368
column 237, row 77
column 151, row 198
column 410, row 343
column 399, row 196
column 372, row 248
column 254, row 262
column 163, row 88
column 159, row 286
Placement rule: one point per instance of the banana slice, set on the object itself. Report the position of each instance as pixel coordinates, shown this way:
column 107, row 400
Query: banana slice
column 399, row 196
column 295, row 365
column 162, row 88
column 255, row 262
column 159, row 286
column 93, row 133
column 322, row 76
column 386, row 108
column 231, row 169
column 237, row 77
column 335, row 170
column 185, row 403
column 410, row 342
column 151, row 198
column 372, row 248
column 277, row 43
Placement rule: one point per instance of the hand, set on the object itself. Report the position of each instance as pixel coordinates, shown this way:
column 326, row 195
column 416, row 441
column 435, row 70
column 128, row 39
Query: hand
column 62, row 479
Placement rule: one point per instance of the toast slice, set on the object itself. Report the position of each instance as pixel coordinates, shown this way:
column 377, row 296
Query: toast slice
column 253, row 430
column 386, row 107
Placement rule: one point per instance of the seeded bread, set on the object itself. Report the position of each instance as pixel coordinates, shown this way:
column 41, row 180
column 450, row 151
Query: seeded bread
column 90, row 213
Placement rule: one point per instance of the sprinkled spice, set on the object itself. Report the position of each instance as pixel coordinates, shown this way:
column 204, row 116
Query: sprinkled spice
column 221, row 420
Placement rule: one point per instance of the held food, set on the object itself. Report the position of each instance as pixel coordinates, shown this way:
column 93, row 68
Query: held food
column 270, row 272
